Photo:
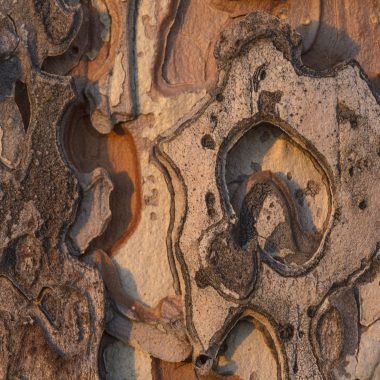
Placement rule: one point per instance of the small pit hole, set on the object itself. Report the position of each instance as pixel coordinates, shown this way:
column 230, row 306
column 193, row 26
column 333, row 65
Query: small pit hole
column 208, row 142
column 118, row 129
column 310, row 311
column 202, row 360
column 74, row 50
column 219, row 97
column 354, row 123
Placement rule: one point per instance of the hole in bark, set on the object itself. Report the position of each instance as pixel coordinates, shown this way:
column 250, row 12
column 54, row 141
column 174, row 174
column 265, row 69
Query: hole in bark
column 22, row 101
column 74, row 50
column 208, row 142
column 118, row 129
column 311, row 311
column 202, row 360
column 219, row 97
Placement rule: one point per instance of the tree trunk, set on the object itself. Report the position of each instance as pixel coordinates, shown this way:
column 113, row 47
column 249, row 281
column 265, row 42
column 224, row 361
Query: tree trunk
column 189, row 189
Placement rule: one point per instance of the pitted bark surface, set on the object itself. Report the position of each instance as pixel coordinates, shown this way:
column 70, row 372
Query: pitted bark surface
column 51, row 304
column 173, row 174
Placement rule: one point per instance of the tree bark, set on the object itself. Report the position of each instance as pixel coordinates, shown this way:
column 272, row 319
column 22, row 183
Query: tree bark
column 189, row 189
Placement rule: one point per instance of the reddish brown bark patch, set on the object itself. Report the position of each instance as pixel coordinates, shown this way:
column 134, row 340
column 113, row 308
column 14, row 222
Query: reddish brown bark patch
column 116, row 153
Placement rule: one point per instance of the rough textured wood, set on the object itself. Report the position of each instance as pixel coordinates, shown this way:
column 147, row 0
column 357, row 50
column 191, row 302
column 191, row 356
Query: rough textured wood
column 234, row 188
column 222, row 276
column 51, row 305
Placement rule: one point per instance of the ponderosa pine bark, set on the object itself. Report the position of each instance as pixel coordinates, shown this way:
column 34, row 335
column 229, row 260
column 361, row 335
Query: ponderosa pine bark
column 189, row 189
